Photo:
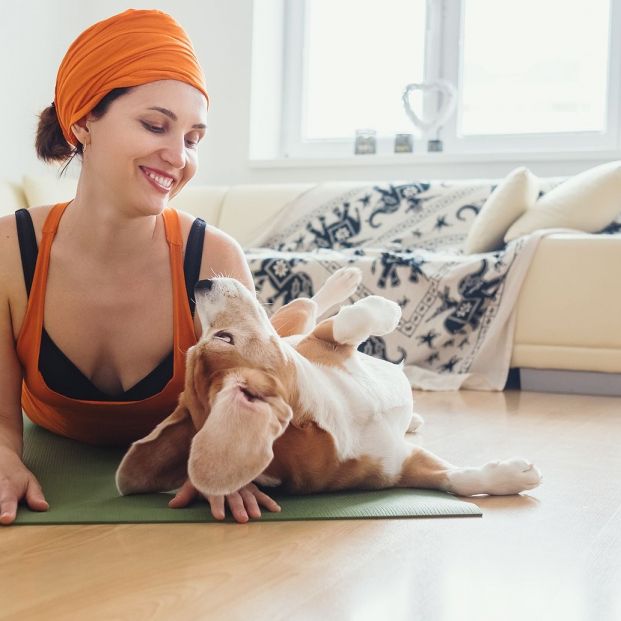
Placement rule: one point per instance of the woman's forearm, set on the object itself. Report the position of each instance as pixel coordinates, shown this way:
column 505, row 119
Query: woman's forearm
column 11, row 432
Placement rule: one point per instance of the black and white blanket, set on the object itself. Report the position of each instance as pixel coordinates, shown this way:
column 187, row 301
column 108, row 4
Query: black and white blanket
column 458, row 316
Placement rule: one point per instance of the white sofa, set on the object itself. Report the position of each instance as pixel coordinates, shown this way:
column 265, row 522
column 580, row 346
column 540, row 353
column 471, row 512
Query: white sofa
column 568, row 332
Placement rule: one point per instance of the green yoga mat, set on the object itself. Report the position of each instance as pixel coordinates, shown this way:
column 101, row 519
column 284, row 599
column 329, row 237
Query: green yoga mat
column 78, row 482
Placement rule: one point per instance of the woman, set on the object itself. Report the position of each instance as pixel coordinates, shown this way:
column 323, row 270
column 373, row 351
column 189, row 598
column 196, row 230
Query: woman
column 95, row 295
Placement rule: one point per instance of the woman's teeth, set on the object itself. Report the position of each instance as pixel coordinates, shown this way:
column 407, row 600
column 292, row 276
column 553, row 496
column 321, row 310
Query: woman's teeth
column 165, row 182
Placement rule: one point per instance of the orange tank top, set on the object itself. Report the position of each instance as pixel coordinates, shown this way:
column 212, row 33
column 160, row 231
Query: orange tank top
column 101, row 422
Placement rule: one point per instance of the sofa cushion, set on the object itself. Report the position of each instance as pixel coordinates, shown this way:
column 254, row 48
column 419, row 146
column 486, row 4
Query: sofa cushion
column 48, row 189
column 248, row 209
column 516, row 193
column 202, row 201
column 12, row 198
column 587, row 202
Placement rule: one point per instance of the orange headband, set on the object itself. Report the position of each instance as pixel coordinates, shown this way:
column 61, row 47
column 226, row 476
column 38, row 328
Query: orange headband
column 128, row 49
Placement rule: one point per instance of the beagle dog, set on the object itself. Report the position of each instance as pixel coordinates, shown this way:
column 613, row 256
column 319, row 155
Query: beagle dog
column 292, row 403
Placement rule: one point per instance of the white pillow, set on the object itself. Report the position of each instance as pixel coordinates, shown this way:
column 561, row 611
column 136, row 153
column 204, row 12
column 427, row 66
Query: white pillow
column 204, row 201
column 516, row 193
column 11, row 198
column 588, row 202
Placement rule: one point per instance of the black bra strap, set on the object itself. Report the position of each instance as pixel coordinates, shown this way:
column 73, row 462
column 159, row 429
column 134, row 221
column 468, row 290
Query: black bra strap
column 191, row 265
column 192, row 261
column 27, row 245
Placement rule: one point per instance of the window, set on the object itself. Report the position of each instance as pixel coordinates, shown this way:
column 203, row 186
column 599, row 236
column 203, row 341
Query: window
column 347, row 86
column 528, row 77
column 533, row 75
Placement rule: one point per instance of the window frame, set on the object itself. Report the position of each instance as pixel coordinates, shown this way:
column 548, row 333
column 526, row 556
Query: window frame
column 442, row 61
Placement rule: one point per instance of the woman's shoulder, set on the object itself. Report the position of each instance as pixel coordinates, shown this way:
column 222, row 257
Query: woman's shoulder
column 10, row 258
column 37, row 215
column 222, row 254
column 212, row 232
column 9, row 247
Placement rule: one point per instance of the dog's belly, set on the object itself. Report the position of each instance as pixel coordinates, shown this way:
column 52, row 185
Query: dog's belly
column 365, row 407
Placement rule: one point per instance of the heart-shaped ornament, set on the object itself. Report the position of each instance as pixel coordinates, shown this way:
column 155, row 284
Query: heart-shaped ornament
column 448, row 100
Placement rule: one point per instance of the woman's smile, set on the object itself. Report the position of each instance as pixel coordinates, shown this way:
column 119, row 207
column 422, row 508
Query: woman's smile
column 158, row 180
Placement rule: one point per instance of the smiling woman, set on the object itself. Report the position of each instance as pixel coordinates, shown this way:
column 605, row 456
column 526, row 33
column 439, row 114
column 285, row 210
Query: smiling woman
column 93, row 336
column 137, row 142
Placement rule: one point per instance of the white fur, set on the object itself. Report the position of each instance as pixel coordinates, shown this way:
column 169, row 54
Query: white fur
column 498, row 478
column 372, row 315
column 339, row 286
column 367, row 410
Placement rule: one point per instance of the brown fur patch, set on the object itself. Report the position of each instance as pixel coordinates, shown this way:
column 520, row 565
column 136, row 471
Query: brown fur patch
column 296, row 317
column 321, row 348
column 424, row 469
column 158, row 462
column 306, row 461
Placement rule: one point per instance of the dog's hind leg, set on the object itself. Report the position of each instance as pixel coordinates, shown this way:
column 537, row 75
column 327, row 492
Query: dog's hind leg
column 423, row 469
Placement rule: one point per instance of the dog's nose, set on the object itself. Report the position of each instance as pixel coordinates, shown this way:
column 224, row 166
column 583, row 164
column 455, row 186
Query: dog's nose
column 203, row 285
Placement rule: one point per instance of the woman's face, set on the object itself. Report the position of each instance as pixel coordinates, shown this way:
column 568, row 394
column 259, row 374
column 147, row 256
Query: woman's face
column 143, row 150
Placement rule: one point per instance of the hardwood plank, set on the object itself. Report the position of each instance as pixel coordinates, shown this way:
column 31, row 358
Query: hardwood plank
column 552, row 553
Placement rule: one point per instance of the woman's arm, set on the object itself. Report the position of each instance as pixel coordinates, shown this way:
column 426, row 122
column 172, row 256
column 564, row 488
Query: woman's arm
column 16, row 481
column 10, row 369
column 223, row 256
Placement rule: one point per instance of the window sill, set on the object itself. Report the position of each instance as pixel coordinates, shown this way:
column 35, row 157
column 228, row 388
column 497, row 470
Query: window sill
column 432, row 158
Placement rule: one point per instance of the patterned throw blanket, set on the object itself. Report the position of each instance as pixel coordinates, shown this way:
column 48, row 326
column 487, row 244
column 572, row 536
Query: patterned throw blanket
column 458, row 316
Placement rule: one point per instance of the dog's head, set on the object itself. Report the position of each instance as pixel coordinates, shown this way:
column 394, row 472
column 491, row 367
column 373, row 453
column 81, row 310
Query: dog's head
column 232, row 409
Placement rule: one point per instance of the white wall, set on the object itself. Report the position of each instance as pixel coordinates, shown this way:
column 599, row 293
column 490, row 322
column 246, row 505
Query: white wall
column 33, row 39
column 34, row 35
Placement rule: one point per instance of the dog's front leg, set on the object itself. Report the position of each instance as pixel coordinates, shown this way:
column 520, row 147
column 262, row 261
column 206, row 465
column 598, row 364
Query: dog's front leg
column 339, row 286
column 300, row 316
column 373, row 315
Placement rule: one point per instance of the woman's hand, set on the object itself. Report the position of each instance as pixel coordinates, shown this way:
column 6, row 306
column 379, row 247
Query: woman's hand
column 17, row 483
column 243, row 504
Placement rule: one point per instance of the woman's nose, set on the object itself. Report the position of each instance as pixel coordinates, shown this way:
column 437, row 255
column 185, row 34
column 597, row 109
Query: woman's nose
column 174, row 152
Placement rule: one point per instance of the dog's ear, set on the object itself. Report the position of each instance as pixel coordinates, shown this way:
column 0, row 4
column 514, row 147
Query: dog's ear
column 234, row 445
column 158, row 462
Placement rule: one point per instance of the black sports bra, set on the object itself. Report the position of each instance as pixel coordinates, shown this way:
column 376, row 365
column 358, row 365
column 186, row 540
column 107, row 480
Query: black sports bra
column 63, row 376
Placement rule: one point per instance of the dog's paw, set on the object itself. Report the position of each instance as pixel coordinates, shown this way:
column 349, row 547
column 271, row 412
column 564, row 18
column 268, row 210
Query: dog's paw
column 497, row 478
column 344, row 282
column 373, row 315
column 384, row 314
column 416, row 422
column 339, row 286
column 510, row 477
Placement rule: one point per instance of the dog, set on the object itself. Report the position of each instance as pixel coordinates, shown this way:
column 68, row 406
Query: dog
column 291, row 403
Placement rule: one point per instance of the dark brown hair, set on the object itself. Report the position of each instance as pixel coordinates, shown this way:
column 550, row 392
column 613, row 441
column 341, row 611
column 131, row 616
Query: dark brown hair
column 50, row 143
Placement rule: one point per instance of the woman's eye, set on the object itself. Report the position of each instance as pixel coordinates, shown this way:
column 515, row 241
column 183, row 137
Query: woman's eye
column 227, row 337
column 153, row 128
column 192, row 142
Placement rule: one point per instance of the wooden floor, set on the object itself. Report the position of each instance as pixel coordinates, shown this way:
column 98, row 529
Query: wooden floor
column 554, row 553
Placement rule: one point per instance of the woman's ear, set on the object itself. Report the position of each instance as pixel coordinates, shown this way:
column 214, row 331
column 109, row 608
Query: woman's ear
column 234, row 445
column 81, row 131
column 158, row 462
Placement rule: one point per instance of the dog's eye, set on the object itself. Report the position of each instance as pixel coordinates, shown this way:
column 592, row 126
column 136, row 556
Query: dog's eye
column 224, row 336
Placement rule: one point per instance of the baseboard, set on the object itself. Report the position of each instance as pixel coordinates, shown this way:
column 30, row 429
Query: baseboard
column 573, row 382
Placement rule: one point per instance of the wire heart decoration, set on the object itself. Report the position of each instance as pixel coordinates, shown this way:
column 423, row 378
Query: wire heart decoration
column 448, row 101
